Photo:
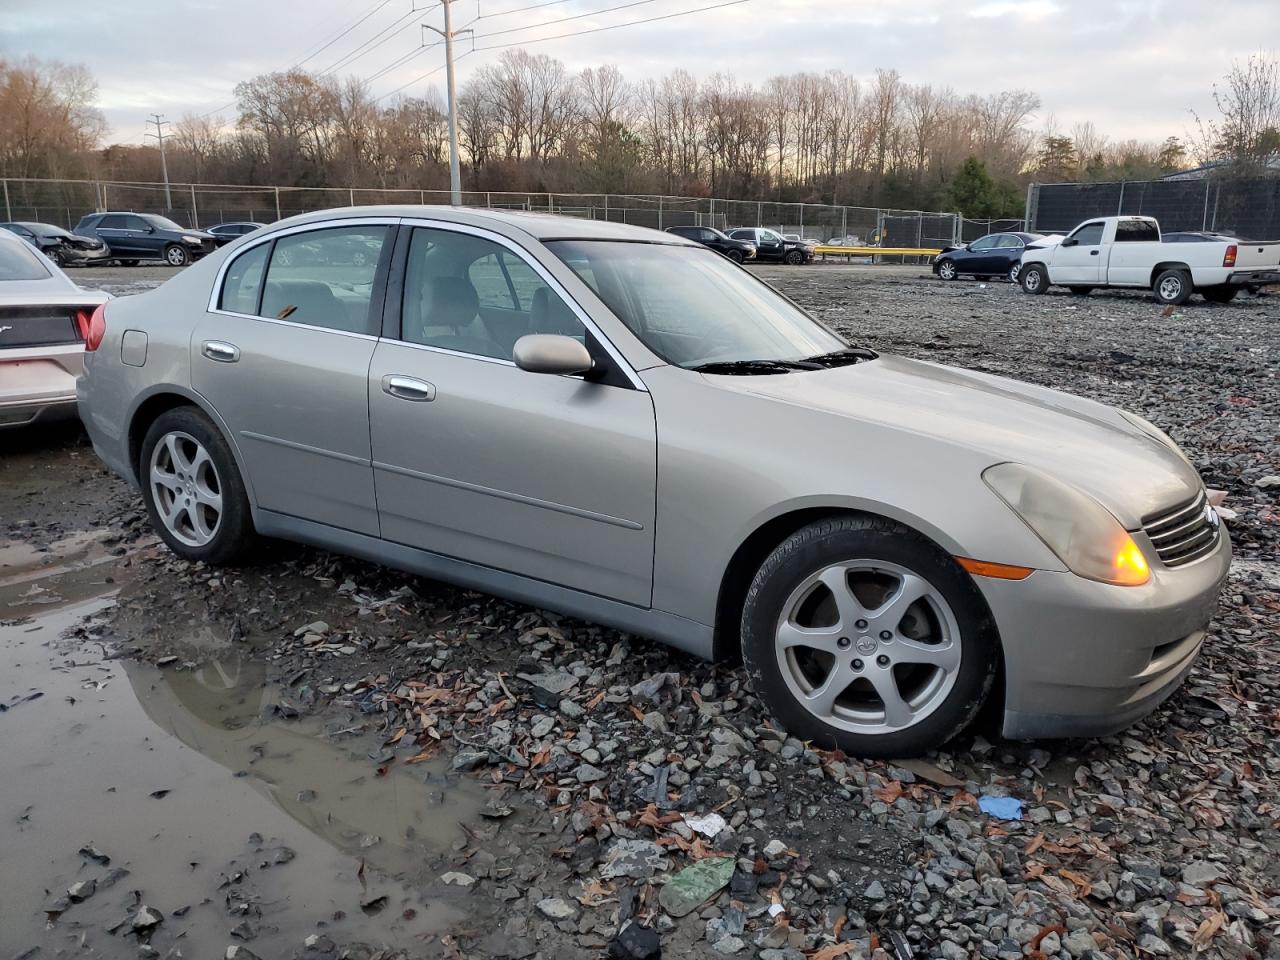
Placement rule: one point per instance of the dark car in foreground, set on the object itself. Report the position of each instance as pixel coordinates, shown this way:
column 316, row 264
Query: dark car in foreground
column 995, row 255
column 772, row 246
column 58, row 245
column 736, row 250
column 224, row 233
column 133, row 237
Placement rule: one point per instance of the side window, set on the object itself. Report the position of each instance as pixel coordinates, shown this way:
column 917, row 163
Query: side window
column 770, row 236
column 444, row 308
column 1009, row 242
column 490, row 282
column 324, row 278
column 983, row 243
column 706, row 236
column 135, row 223
column 113, row 221
column 1137, row 231
column 1090, row 235
column 243, row 281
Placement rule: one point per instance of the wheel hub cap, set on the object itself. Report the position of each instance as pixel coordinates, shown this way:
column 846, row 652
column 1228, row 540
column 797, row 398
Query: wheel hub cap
column 186, row 489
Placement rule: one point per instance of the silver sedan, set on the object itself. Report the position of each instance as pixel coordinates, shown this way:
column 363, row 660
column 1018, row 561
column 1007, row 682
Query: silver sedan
column 621, row 425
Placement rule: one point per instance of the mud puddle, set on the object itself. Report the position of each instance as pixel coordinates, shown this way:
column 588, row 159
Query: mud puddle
column 235, row 825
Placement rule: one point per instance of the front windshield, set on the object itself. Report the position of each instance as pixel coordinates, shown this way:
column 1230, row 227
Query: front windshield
column 164, row 223
column 19, row 261
column 691, row 306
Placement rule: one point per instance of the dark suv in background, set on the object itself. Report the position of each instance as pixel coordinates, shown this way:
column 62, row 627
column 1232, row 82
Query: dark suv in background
column 735, row 250
column 772, row 246
column 146, row 236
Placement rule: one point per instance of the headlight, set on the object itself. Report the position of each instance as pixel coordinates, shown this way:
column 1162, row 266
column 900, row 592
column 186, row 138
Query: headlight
column 196, row 240
column 1155, row 433
column 1080, row 530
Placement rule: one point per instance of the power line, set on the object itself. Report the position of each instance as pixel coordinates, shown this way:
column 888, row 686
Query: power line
column 429, row 73
column 343, row 33
column 374, row 42
column 401, row 61
column 507, row 13
column 615, row 26
column 576, row 16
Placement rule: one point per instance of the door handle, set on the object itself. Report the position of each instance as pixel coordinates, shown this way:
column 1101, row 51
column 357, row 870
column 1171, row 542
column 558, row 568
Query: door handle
column 408, row 388
column 1093, row 253
column 220, row 351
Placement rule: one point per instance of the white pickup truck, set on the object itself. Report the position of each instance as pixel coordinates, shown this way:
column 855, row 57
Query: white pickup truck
column 1128, row 252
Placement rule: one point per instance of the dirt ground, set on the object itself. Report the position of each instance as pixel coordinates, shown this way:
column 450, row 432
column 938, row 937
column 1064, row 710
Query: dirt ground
column 311, row 756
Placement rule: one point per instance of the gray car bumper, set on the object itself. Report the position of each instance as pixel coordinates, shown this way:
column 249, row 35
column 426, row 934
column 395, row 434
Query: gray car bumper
column 1088, row 659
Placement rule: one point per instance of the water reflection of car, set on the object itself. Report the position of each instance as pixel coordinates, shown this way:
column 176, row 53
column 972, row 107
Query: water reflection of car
column 44, row 321
column 771, row 246
column 995, row 255
column 61, row 246
column 358, row 251
column 735, row 250
column 224, row 233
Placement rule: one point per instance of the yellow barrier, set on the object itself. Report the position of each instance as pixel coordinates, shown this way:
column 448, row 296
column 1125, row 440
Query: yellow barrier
column 823, row 249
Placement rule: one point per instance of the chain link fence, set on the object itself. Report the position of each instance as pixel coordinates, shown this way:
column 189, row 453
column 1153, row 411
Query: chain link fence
column 65, row 202
column 1244, row 207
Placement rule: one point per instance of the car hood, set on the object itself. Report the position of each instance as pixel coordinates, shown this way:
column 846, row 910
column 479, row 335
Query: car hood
column 1079, row 441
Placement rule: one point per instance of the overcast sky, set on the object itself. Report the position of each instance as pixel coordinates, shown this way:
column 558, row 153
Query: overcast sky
column 1133, row 67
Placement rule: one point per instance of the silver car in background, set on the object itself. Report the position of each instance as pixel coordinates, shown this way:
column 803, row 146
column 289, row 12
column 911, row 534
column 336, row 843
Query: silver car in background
column 621, row 425
column 44, row 321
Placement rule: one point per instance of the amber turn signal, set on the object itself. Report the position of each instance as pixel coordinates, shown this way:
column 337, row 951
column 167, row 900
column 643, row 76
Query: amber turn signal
column 999, row 571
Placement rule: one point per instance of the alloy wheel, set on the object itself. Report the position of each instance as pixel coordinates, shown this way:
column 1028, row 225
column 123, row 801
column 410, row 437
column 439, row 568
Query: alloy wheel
column 947, row 271
column 868, row 646
column 1014, row 272
column 186, row 489
column 176, row 257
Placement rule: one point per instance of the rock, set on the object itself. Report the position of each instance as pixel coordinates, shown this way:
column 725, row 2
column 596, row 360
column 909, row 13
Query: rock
column 470, row 759
column 1078, row 943
column 237, row 952
column 1154, row 945
column 637, row 859
column 319, row 943
column 571, row 709
column 553, row 908
column 1201, row 873
column 728, row 945
column 635, row 942
column 586, row 773
column 695, row 884
column 1269, row 482
column 540, row 725
column 874, row 891
column 146, row 919
column 455, row 879
column 82, row 890
column 774, row 849
column 90, row 852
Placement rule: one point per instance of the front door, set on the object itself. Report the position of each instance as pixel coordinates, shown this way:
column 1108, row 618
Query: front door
column 1079, row 262
column 115, row 232
column 549, row 477
column 283, row 357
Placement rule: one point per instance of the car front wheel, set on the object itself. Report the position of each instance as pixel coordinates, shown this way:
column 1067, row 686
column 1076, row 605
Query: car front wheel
column 1034, row 279
column 863, row 636
column 192, row 488
column 176, row 256
column 947, row 270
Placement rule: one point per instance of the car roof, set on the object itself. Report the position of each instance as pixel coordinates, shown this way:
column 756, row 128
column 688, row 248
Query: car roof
column 542, row 226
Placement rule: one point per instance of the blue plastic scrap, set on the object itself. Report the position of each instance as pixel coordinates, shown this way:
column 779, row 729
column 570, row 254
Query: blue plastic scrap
column 1003, row 808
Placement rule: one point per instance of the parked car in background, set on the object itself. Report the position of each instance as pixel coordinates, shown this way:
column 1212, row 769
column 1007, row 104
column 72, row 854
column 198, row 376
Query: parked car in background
column 224, row 233
column 810, row 244
column 45, row 320
column 738, row 251
column 60, row 246
column 900, row 542
column 771, row 246
column 995, row 255
column 134, row 237
column 1129, row 252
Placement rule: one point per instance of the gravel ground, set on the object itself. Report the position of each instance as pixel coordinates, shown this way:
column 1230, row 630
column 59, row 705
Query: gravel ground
column 636, row 800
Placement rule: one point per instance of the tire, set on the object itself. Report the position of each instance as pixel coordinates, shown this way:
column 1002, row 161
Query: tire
column 176, row 255
column 1081, row 291
column 941, row 657
column 735, row 256
column 1014, row 272
column 794, row 257
column 948, row 270
column 128, row 263
column 57, row 257
column 1034, row 279
column 1222, row 294
column 1172, row 287
column 192, row 488
column 359, row 258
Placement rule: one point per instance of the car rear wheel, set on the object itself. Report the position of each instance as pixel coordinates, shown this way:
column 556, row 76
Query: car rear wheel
column 861, row 635
column 1014, row 271
column 1034, row 279
column 193, row 490
column 1172, row 287
column 794, row 257
column 1222, row 294
column 176, row 256
column 947, row 270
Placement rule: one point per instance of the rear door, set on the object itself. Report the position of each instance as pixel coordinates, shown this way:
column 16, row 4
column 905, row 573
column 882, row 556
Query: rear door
column 549, row 477
column 1079, row 263
column 283, row 356
column 113, row 230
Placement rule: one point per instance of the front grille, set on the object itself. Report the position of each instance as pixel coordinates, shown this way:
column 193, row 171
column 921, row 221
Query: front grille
column 1185, row 533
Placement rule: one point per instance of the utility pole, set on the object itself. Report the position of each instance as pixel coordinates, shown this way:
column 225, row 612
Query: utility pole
column 160, row 123
column 455, row 170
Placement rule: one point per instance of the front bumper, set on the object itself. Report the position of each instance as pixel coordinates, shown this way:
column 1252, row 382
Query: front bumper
column 75, row 257
column 1089, row 659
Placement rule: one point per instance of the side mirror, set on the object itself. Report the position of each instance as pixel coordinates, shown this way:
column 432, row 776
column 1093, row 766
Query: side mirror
column 552, row 353
column 1070, row 242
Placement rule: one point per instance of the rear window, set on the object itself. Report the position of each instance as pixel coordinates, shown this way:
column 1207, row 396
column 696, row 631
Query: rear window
column 1137, row 231
column 20, row 261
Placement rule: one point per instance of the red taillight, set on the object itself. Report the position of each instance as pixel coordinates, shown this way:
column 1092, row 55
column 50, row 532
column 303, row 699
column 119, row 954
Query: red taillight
column 93, row 326
column 1229, row 260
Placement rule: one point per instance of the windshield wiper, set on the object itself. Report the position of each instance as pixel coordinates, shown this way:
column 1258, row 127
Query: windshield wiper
column 840, row 358
column 747, row 367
